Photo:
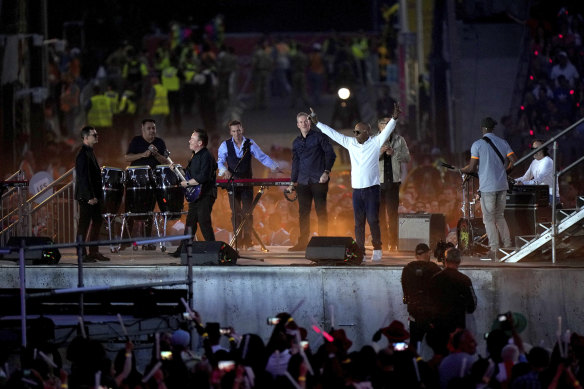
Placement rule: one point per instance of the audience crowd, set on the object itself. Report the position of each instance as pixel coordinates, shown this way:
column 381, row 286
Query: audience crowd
column 225, row 359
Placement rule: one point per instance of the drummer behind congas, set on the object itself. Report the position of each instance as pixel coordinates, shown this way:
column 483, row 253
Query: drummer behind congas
column 146, row 150
column 141, row 153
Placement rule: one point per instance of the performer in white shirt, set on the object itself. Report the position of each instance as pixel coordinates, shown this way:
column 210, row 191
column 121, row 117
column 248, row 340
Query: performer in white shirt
column 364, row 152
column 541, row 171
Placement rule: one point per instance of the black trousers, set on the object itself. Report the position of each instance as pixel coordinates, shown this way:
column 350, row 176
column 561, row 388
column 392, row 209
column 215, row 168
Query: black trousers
column 240, row 202
column 388, row 212
column 200, row 212
column 307, row 193
column 89, row 215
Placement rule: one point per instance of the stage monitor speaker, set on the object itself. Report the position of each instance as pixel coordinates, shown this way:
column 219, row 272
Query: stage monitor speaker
column 34, row 257
column 417, row 228
column 334, row 250
column 523, row 221
column 215, row 253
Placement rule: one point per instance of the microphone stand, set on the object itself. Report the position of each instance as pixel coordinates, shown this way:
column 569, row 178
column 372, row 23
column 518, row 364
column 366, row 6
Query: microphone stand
column 231, row 185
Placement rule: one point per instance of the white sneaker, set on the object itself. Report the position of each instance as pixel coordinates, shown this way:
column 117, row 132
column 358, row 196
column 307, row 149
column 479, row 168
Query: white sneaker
column 376, row 256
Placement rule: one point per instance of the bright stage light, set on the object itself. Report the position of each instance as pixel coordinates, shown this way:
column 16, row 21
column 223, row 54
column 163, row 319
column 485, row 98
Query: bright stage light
column 344, row 93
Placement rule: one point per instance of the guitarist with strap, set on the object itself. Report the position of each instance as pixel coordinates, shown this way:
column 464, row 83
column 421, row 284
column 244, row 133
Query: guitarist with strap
column 493, row 158
column 201, row 170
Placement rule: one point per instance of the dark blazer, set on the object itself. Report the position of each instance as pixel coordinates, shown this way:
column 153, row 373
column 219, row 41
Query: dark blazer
column 87, row 176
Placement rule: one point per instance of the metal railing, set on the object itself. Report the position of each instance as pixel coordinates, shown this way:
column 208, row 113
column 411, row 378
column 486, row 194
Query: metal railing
column 81, row 289
column 11, row 208
column 51, row 212
column 557, row 175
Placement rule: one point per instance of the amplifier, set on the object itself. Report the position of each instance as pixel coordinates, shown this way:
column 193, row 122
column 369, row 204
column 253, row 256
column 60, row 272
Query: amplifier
column 417, row 228
column 524, row 220
column 523, row 195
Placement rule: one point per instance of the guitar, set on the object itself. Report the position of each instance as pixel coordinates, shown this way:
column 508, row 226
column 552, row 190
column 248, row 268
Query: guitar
column 510, row 180
column 192, row 193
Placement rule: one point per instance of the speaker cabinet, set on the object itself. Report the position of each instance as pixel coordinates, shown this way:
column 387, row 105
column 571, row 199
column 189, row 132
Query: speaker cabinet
column 417, row 228
column 524, row 220
column 334, row 250
column 215, row 253
column 34, row 257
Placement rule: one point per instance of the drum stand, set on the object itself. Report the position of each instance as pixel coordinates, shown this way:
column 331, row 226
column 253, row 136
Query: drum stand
column 108, row 217
column 126, row 215
column 165, row 216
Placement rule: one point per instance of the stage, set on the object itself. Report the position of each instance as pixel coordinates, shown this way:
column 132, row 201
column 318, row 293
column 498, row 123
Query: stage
column 359, row 299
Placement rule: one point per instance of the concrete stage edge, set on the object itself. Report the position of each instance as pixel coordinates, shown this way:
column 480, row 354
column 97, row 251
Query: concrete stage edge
column 363, row 298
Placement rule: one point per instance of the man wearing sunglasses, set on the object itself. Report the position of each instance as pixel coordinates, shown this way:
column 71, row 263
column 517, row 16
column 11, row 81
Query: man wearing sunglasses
column 89, row 193
column 364, row 151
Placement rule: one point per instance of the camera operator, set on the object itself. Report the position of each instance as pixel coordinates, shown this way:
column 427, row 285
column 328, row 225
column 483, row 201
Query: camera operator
column 415, row 280
column 452, row 296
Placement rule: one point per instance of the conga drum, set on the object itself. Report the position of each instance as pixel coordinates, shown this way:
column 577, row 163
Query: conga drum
column 169, row 193
column 112, row 180
column 139, row 191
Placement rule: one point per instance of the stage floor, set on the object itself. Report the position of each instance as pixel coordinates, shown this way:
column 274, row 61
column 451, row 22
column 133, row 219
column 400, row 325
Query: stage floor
column 280, row 256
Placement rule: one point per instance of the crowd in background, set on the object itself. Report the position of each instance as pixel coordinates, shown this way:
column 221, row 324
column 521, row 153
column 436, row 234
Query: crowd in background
column 198, row 355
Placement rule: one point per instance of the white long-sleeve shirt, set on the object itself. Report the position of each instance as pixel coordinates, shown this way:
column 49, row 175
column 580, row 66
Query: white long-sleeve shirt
column 364, row 157
column 254, row 149
column 541, row 172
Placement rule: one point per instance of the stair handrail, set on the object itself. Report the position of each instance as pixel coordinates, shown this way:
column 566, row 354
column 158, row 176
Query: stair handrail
column 556, row 174
column 16, row 175
column 52, row 184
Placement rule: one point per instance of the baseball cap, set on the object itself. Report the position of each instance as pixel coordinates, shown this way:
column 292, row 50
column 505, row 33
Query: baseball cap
column 422, row 248
column 488, row 122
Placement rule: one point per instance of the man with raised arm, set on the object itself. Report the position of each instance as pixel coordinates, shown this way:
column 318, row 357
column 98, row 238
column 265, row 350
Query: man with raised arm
column 364, row 151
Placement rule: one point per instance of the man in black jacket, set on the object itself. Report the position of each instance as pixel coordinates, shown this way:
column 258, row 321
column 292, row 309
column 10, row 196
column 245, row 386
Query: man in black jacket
column 201, row 170
column 89, row 193
column 415, row 280
column 453, row 297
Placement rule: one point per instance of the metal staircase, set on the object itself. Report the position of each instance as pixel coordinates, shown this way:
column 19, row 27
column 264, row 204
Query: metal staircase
column 568, row 235
column 51, row 212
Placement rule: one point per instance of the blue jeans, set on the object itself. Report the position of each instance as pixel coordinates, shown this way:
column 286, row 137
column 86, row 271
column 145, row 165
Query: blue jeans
column 493, row 207
column 366, row 206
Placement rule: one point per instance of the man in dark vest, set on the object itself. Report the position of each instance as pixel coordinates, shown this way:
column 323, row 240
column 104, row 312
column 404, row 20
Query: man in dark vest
column 234, row 160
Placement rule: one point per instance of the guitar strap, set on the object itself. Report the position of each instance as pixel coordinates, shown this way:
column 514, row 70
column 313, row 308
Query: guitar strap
column 509, row 180
column 490, row 142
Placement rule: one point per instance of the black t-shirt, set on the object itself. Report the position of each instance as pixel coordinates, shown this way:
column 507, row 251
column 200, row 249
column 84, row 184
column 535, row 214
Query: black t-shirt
column 139, row 145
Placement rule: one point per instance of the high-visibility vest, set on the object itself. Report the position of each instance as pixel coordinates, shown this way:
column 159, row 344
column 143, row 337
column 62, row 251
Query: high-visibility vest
column 127, row 103
column 160, row 106
column 169, row 78
column 114, row 99
column 100, row 114
column 190, row 69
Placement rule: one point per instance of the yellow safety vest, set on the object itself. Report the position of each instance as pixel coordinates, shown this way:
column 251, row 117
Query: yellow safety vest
column 170, row 79
column 114, row 99
column 128, row 105
column 160, row 106
column 100, row 114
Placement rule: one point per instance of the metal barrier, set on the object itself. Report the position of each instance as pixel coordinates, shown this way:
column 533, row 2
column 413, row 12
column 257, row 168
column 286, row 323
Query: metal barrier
column 51, row 212
column 11, row 209
column 56, row 215
column 81, row 289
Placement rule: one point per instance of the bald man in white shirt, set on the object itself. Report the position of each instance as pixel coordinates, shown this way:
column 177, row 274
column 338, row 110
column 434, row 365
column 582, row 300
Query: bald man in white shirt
column 364, row 152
